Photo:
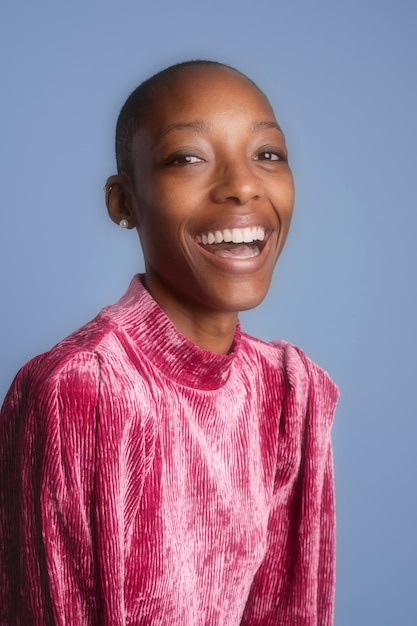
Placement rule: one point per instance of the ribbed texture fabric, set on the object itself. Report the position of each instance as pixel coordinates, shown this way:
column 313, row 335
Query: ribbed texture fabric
column 146, row 481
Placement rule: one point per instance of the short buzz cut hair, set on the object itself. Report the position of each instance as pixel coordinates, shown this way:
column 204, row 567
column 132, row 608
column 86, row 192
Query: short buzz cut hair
column 136, row 107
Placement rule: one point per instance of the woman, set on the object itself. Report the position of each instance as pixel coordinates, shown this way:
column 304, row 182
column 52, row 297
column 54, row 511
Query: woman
column 160, row 466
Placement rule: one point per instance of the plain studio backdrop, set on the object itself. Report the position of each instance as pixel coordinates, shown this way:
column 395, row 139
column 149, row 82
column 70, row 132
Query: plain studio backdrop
column 342, row 78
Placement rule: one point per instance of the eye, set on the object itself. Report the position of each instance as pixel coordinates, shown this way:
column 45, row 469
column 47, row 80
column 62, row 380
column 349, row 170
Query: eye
column 184, row 159
column 269, row 155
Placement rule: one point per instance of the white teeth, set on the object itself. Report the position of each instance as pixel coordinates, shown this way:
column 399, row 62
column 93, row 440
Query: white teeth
column 235, row 235
column 247, row 235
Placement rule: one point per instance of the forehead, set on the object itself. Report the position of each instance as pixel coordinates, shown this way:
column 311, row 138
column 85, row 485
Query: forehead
column 205, row 93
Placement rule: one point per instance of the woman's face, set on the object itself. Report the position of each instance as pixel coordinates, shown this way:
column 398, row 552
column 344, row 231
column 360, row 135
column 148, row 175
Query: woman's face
column 212, row 192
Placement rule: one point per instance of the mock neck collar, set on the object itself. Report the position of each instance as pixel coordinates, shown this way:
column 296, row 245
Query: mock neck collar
column 172, row 353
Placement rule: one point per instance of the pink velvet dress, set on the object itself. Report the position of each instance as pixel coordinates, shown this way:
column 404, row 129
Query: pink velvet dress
column 145, row 481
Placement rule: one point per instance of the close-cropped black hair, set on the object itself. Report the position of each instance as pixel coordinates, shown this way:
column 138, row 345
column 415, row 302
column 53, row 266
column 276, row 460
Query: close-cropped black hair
column 135, row 108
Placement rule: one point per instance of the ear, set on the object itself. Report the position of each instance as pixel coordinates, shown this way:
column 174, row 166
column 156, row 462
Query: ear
column 119, row 200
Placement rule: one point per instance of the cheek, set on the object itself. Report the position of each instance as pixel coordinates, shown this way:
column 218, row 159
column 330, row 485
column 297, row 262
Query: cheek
column 286, row 200
column 283, row 203
column 161, row 235
column 167, row 201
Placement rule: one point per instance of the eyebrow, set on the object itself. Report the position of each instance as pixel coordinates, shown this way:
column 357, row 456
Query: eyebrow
column 266, row 125
column 197, row 126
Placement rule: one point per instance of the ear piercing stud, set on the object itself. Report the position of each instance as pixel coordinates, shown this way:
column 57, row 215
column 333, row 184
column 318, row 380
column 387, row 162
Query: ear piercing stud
column 124, row 223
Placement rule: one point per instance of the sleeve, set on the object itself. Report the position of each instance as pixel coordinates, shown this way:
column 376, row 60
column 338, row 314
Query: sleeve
column 47, row 468
column 294, row 586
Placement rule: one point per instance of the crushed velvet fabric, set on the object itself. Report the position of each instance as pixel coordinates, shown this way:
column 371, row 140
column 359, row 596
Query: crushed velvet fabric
column 146, row 481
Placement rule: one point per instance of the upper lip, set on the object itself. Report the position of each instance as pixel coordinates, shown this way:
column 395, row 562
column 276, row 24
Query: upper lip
column 238, row 222
column 248, row 234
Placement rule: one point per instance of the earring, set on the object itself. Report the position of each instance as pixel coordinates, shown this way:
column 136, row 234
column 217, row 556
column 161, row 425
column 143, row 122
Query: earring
column 124, row 223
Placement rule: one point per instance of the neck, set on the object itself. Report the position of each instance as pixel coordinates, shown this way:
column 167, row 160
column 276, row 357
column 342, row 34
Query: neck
column 207, row 329
column 213, row 332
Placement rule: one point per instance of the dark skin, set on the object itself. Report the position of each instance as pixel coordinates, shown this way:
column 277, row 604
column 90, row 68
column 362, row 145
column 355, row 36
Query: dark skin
column 210, row 162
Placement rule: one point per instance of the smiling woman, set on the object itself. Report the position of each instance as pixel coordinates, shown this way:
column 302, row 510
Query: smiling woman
column 203, row 163
column 159, row 465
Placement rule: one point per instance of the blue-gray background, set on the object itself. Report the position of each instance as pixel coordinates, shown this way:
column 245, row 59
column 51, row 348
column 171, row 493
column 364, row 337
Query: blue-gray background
column 342, row 77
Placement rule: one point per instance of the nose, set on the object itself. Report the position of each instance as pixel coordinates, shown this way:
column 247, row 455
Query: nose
column 237, row 183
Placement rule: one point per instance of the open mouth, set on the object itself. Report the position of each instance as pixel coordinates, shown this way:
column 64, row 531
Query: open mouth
column 240, row 243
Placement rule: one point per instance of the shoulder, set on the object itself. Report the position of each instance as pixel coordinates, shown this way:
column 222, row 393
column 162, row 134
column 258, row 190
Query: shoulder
column 303, row 378
column 282, row 355
column 73, row 363
column 80, row 377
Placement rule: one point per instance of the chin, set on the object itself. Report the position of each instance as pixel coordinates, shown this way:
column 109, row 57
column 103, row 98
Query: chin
column 240, row 297
column 246, row 304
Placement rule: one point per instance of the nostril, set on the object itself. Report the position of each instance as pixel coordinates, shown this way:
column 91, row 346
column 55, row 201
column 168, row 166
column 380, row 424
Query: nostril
column 237, row 184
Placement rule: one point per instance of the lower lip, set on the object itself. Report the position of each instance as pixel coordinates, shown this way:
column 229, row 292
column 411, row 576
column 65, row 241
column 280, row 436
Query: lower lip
column 237, row 264
column 242, row 252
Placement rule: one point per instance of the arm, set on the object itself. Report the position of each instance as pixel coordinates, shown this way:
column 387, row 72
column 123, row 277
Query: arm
column 77, row 441
column 48, row 432
column 294, row 585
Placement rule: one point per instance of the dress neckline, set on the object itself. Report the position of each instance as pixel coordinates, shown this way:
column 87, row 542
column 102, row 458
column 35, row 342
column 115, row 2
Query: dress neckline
column 172, row 353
